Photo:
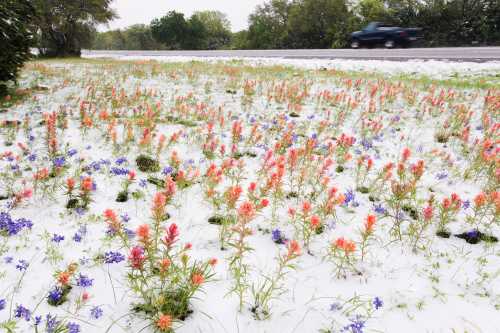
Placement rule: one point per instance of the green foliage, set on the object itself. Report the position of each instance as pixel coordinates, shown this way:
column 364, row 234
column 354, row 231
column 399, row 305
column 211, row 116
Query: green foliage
column 171, row 29
column 217, row 27
column 15, row 38
column 65, row 27
column 268, row 25
column 135, row 37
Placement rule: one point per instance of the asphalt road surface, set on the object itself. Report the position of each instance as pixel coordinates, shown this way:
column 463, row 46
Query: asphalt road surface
column 472, row 54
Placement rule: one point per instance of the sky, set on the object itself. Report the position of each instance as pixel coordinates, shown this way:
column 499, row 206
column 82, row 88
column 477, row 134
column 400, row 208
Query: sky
column 143, row 11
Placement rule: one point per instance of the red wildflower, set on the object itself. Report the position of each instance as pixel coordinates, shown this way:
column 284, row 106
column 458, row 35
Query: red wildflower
column 164, row 323
column 137, row 257
column 246, row 210
column 370, row 222
column 197, row 279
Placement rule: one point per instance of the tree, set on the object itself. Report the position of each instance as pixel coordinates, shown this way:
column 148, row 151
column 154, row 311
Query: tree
column 65, row 27
column 170, row 29
column 372, row 11
column 319, row 24
column 15, row 38
column 218, row 28
column 268, row 25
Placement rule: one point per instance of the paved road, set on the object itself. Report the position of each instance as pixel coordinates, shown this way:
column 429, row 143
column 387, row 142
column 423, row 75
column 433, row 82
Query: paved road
column 473, row 54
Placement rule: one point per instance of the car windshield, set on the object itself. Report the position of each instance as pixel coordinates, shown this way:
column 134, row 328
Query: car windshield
column 372, row 26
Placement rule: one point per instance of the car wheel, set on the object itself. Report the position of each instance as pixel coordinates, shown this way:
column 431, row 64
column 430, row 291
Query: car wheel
column 355, row 44
column 390, row 44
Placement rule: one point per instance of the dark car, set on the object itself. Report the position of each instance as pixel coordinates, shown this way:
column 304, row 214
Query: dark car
column 377, row 33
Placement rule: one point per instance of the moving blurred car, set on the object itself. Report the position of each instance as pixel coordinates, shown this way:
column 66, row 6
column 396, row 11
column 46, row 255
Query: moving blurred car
column 377, row 33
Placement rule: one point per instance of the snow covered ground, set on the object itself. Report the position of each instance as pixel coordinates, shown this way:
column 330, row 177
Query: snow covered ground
column 436, row 69
column 304, row 136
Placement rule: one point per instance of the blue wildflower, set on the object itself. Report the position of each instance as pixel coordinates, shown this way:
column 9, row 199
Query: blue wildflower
column 335, row 307
column 72, row 152
column 59, row 162
column 349, row 196
column 73, row 328
column 96, row 312
column 32, row 157
column 466, row 204
column 22, row 312
column 120, row 160
column 55, row 295
column 84, row 281
column 119, row 171
column 113, row 257
column 8, row 259
column 38, row 320
column 167, row 170
column 377, row 303
column 22, row 265
column 379, row 209
column 143, row 183
column 3, row 303
column 57, row 238
column 278, row 237
column 13, row 227
column 77, row 237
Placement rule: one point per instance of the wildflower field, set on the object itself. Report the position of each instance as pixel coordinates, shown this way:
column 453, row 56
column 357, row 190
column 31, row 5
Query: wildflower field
column 143, row 196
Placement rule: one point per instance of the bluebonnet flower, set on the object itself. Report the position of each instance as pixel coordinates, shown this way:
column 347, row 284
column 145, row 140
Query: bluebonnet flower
column 31, row 137
column 14, row 167
column 130, row 233
column 310, row 117
column 466, row 204
column 119, row 171
column 356, row 326
column 22, row 265
column 57, row 238
column 125, row 217
column 441, row 175
column 349, row 196
column 11, row 227
column 121, row 160
column 55, row 295
column 32, row 157
column 73, row 328
column 80, row 211
column 96, row 166
column 51, row 323
column 252, row 120
column 22, row 312
column 379, row 209
column 472, row 234
column 377, row 303
column 367, row 145
column 8, row 259
column 72, row 152
column 84, row 281
column 59, row 162
column 77, row 237
column 96, row 312
column 113, row 257
column 335, row 307
column 357, row 152
column 143, row 183
column 3, row 303
column 38, row 320
column 167, row 170
column 278, row 237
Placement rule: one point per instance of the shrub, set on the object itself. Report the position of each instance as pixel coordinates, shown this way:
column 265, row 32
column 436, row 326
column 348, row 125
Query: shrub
column 15, row 37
